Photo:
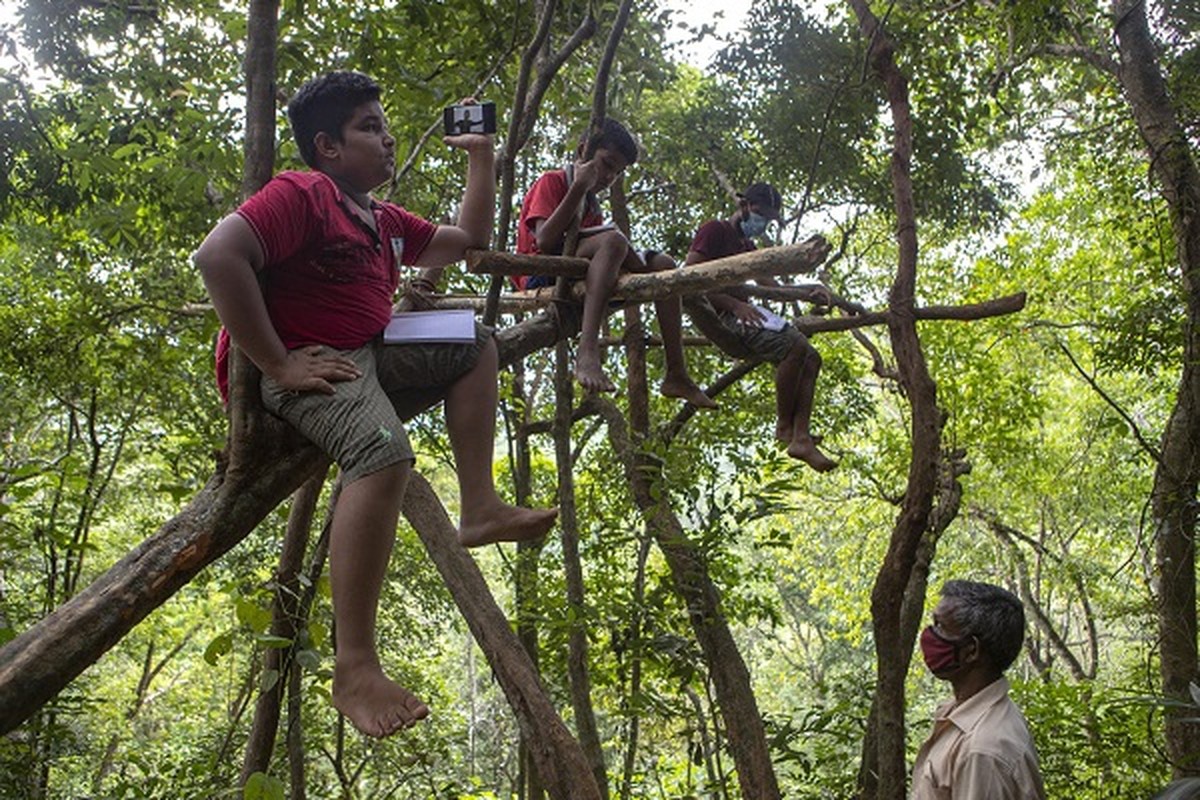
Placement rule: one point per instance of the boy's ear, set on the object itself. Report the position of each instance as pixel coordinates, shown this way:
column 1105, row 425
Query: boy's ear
column 324, row 146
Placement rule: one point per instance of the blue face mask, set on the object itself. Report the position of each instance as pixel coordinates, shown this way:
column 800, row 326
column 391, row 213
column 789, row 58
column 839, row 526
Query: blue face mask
column 754, row 225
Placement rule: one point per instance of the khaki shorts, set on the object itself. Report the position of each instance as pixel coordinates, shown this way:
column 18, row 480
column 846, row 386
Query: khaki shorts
column 771, row 346
column 357, row 425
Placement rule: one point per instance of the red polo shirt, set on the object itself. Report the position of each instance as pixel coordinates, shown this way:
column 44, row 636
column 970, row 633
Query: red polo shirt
column 540, row 202
column 327, row 277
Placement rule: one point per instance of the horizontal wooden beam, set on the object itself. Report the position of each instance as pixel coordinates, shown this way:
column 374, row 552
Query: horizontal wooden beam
column 493, row 262
column 730, row 271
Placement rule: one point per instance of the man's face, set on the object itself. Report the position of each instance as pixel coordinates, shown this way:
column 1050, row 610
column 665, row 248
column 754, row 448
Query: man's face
column 366, row 156
column 944, row 623
column 944, row 644
column 610, row 164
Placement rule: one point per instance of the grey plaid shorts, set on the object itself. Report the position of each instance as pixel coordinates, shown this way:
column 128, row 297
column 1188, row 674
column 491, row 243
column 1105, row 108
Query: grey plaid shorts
column 771, row 346
column 358, row 425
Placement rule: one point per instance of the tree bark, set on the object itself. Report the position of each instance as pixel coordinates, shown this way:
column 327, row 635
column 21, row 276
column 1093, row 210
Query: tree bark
column 259, row 147
column 689, row 573
column 715, row 274
column 893, row 642
column 1173, row 495
column 568, row 520
column 527, row 581
column 285, row 621
column 561, row 764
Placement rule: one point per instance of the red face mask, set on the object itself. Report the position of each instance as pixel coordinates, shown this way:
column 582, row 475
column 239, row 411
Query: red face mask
column 940, row 653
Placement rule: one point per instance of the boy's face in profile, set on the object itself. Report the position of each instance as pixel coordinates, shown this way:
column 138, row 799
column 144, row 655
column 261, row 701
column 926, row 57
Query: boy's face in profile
column 609, row 165
column 366, row 155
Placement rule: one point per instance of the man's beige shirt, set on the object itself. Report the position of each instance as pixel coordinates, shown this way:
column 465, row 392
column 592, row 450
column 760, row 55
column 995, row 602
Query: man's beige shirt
column 979, row 750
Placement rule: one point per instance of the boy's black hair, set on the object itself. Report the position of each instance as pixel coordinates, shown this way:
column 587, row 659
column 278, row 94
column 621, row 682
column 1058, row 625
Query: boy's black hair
column 324, row 105
column 766, row 197
column 993, row 615
column 612, row 136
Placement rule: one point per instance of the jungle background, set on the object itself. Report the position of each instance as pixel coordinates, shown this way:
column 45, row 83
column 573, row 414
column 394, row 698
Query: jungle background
column 121, row 141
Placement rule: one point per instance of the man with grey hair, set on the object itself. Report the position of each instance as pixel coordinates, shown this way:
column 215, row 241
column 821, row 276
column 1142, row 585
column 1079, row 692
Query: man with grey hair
column 980, row 748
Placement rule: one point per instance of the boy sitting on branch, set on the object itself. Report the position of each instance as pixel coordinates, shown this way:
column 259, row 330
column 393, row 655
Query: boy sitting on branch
column 549, row 209
column 773, row 339
column 329, row 257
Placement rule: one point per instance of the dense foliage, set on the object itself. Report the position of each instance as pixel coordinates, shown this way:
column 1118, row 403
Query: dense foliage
column 120, row 145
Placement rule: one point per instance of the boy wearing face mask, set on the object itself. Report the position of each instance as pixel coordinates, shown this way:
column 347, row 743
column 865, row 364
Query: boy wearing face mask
column 797, row 362
column 980, row 747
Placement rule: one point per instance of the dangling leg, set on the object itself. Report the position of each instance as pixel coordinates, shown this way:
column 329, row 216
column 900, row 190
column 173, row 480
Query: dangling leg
column 361, row 537
column 796, row 403
column 669, row 310
column 471, row 421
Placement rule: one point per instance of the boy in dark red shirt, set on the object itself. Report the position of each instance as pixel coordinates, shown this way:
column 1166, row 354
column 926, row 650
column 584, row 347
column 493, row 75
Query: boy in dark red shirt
column 547, row 212
column 329, row 256
column 796, row 361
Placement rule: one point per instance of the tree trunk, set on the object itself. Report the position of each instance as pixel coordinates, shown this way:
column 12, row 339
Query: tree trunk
column 1173, row 495
column 285, row 623
column 560, row 761
column 893, row 642
column 735, row 697
column 527, row 580
column 262, row 28
column 568, row 520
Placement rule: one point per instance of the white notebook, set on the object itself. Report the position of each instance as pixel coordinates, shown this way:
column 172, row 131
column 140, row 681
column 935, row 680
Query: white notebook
column 771, row 321
column 449, row 325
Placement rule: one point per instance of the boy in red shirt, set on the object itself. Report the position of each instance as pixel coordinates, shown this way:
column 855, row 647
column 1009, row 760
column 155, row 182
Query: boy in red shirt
column 547, row 211
column 329, row 257
column 796, row 361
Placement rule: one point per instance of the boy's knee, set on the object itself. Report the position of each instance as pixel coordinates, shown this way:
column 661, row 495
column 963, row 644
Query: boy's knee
column 612, row 242
column 386, row 450
column 608, row 252
column 659, row 262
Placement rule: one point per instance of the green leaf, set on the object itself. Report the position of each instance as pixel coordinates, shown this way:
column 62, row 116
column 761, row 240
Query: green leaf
column 252, row 615
column 267, row 681
column 218, row 647
column 309, row 660
column 261, row 786
column 273, row 641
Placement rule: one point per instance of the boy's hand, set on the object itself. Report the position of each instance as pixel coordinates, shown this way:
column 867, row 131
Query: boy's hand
column 472, row 142
column 820, row 296
column 587, row 174
column 314, row 369
column 748, row 315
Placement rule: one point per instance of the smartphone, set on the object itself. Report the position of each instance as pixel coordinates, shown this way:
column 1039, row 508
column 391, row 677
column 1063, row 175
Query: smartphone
column 475, row 118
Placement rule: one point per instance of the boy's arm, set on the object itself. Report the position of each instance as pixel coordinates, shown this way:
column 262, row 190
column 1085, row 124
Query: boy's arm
column 551, row 230
column 723, row 301
column 228, row 259
column 477, row 213
column 814, row 293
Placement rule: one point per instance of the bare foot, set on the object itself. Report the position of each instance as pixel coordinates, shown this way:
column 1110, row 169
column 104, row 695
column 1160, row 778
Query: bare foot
column 590, row 376
column 783, row 433
column 686, row 389
column 805, row 449
column 374, row 704
column 505, row 523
